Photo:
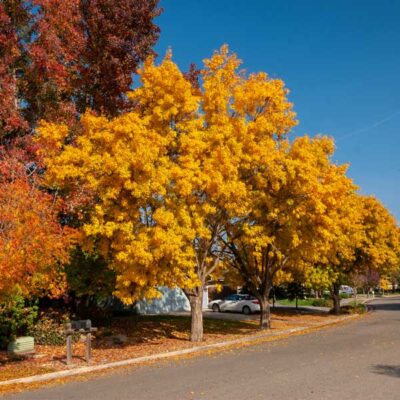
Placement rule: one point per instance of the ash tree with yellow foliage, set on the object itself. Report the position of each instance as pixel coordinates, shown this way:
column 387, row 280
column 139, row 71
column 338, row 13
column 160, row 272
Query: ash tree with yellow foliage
column 295, row 192
column 380, row 248
column 366, row 241
column 167, row 176
column 375, row 247
column 339, row 252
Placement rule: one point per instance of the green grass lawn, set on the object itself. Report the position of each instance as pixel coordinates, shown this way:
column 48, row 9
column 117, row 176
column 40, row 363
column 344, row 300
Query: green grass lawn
column 305, row 302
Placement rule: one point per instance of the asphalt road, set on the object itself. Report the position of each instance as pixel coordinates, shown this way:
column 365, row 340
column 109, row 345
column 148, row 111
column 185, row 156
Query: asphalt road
column 358, row 360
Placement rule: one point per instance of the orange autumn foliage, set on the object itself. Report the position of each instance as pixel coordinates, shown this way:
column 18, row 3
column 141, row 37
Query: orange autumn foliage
column 33, row 244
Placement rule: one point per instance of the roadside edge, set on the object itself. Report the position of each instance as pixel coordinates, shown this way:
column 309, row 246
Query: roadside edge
column 171, row 354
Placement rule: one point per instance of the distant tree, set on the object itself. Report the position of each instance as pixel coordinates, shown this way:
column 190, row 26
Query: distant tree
column 380, row 248
column 369, row 244
column 384, row 285
column 371, row 280
column 319, row 277
column 357, row 281
column 296, row 291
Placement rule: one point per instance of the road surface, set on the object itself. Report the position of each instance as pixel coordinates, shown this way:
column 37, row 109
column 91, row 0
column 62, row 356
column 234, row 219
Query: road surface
column 358, row 360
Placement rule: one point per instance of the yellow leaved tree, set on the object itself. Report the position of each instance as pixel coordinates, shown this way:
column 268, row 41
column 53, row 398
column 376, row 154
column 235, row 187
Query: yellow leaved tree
column 167, row 177
column 296, row 193
column 367, row 242
column 381, row 240
column 379, row 249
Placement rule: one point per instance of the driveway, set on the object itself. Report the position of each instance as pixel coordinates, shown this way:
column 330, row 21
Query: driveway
column 357, row 360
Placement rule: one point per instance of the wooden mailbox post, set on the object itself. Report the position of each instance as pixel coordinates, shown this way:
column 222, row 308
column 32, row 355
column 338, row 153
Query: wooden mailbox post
column 82, row 327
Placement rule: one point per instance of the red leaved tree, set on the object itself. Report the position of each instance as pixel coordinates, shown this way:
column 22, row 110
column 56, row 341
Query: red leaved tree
column 11, row 119
column 58, row 58
column 119, row 35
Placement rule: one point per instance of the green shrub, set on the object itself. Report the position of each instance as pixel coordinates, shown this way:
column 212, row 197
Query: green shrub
column 49, row 330
column 16, row 318
column 326, row 295
column 344, row 296
column 322, row 302
column 353, row 308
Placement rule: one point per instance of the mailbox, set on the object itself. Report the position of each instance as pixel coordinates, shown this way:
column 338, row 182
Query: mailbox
column 84, row 327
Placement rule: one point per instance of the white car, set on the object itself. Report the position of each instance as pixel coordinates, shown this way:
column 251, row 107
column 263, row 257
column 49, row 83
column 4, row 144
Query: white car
column 346, row 290
column 243, row 303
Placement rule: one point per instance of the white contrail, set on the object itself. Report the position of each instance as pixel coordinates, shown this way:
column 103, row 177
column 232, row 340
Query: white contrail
column 368, row 128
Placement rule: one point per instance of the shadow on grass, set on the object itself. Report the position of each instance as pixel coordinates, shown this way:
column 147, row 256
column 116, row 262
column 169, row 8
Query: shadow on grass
column 300, row 310
column 389, row 370
column 140, row 329
column 289, row 311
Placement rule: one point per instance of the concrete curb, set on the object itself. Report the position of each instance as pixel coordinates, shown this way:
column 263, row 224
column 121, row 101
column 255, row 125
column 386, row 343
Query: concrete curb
column 160, row 356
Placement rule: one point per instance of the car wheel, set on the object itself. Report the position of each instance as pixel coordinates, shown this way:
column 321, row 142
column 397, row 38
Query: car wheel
column 246, row 310
column 215, row 308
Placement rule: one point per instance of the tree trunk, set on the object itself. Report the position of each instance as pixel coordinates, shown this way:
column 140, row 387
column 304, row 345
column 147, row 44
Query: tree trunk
column 196, row 309
column 336, row 299
column 355, row 295
column 265, row 313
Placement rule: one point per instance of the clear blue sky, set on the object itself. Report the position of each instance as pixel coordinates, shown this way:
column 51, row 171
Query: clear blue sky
column 339, row 58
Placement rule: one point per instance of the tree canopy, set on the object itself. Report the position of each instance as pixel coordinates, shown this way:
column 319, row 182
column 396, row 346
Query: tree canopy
column 60, row 58
column 200, row 176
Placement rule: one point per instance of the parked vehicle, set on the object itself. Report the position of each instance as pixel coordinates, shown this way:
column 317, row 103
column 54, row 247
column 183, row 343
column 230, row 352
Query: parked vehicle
column 243, row 303
column 346, row 290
